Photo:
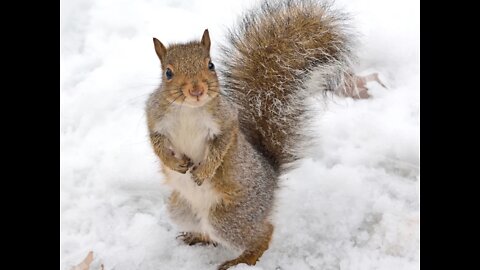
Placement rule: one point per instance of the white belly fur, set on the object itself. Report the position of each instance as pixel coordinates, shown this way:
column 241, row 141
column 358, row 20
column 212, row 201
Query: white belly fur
column 201, row 198
column 188, row 130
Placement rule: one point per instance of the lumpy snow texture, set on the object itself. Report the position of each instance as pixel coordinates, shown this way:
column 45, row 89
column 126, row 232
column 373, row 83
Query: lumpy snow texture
column 353, row 204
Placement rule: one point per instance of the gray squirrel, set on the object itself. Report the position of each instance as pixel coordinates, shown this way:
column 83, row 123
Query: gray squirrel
column 224, row 144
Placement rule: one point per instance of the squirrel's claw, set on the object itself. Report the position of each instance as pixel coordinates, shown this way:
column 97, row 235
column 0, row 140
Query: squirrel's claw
column 191, row 239
column 197, row 180
column 183, row 165
column 197, row 175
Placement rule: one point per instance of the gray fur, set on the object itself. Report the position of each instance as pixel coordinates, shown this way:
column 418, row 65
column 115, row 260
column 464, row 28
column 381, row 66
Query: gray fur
column 253, row 55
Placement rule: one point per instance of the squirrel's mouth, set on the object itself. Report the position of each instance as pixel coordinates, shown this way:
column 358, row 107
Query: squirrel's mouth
column 197, row 101
column 191, row 93
column 197, row 96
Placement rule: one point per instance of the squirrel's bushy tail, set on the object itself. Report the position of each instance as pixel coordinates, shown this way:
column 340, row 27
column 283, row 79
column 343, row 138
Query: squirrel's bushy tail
column 270, row 56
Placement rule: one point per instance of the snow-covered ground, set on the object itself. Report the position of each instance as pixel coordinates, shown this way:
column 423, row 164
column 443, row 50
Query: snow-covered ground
column 353, row 205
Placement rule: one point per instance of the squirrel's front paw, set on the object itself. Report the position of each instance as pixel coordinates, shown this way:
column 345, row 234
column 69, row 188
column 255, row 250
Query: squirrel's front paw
column 179, row 165
column 199, row 174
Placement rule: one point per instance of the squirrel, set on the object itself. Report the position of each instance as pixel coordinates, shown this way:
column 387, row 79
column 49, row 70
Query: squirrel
column 225, row 139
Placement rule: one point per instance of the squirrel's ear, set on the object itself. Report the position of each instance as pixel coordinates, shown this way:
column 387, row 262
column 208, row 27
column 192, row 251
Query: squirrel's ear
column 159, row 49
column 206, row 40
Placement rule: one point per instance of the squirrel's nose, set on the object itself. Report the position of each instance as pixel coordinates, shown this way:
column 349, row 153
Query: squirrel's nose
column 196, row 92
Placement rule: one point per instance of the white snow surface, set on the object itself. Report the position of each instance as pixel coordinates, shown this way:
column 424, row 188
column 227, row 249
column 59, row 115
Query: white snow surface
column 353, row 205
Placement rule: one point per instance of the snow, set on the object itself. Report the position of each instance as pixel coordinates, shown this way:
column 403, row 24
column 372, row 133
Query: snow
column 354, row 204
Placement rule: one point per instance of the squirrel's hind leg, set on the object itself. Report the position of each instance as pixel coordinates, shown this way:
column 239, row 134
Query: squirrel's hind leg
column 251, row 255
column 182, row 215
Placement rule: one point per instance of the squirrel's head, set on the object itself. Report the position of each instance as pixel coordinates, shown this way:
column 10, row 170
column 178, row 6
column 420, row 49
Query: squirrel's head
column 189, row 75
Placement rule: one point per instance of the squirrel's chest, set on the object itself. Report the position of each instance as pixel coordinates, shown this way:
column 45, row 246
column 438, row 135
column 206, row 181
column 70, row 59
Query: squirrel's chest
column 189, row 130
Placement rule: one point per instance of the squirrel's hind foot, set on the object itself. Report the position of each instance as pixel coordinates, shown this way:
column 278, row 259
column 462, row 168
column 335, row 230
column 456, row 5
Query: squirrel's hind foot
column 191, row 238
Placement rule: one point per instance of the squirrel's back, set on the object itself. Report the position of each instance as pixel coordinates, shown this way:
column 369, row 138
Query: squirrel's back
column 270, row 56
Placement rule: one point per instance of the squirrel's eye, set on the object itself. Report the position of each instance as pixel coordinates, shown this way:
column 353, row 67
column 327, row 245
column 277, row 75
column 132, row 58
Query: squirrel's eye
column 168, row 74
column 211, row 66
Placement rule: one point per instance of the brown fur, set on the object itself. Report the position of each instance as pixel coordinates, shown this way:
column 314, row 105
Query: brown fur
column 253, row 254
column 226, row 187
column 218, row 148
column 270, row 54
column 186, row 78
